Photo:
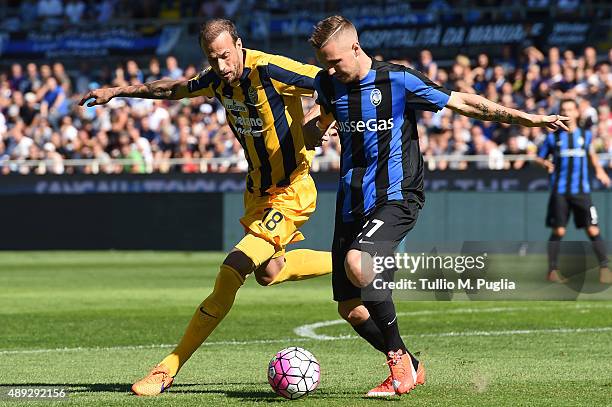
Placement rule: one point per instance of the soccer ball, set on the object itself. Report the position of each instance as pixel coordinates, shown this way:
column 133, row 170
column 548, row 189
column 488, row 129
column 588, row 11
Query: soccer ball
column 294, row 372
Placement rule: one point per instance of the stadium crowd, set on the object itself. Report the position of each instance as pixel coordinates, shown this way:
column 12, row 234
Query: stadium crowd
column 56, row 13
column 40, row 118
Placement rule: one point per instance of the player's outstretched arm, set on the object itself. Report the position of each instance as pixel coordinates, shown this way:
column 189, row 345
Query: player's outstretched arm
column 161, row 89
column 478, row 107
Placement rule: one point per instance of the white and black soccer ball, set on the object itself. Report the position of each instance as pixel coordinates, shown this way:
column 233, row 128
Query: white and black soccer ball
column 294, row 372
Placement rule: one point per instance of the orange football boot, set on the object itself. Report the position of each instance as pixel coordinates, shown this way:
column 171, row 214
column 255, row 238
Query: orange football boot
column 156, row 382
column 554, row 276
column 402, row 379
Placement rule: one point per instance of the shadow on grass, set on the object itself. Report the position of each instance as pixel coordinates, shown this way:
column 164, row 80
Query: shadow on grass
column 270, row 397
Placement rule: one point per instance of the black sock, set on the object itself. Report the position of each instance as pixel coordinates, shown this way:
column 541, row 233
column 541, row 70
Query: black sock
column 553, row 252
column 599, row 246
column 370, row 332
column 383, row 314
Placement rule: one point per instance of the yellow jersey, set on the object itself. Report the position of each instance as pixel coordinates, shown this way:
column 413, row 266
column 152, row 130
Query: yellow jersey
column 264, row 111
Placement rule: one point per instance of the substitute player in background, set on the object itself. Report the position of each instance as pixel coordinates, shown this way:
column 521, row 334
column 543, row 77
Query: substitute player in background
column 262, row 96
column 381, row 185
column 570, row 189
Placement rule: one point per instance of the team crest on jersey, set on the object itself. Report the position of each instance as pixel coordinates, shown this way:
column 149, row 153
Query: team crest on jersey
column 252, row 95
column 375, row 97
column 580, row 141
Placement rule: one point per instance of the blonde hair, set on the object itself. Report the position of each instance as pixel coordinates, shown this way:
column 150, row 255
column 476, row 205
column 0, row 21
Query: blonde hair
column 325, row 29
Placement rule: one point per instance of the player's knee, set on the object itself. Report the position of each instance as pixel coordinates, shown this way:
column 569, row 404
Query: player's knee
column 592, row 231
column 358, row 267
column 240, row 262
column 353, row 312
column 560, row 231
column 266, row 274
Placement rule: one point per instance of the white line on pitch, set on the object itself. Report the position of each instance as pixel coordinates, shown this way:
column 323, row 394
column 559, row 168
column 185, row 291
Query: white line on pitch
column 303, row 339
column 308, row 330
column 330, row 338
column 138, row 347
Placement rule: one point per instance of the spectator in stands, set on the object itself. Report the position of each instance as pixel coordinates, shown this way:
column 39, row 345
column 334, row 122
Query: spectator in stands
column 512, row 148
column 18, row 146
column 53, row 103
column 59, row 73
column 134, row 72
column 27, row 106
column 154, row 71
column 172, row 69
column 427, row 65
column 17, row 79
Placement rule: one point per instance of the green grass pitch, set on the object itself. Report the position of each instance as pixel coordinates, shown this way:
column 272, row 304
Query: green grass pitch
column 93, row 322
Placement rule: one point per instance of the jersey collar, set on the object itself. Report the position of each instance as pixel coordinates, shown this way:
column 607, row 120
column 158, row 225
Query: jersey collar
column 247, row 61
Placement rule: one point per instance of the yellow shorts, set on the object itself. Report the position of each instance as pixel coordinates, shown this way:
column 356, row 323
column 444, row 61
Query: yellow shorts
column 277, row 216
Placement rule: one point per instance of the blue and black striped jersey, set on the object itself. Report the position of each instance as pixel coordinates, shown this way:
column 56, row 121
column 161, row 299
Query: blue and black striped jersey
column 570, row 156
column 381, row 159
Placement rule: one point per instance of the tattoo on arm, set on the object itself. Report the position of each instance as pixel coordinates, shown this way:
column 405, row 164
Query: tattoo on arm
column 161, row 89
column 157, row 91
column 499, row 115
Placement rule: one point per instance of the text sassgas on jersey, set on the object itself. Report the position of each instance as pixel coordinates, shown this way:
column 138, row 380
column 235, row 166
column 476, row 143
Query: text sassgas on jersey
column 370, row 125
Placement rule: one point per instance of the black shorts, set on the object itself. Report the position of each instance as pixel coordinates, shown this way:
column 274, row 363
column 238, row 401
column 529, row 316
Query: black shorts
column 378, row 234
column 559, row 207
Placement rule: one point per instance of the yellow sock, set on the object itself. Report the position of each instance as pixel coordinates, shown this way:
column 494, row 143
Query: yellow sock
column 206, row 318
column 301, row 264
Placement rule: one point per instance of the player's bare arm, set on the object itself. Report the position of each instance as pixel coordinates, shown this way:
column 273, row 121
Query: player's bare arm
column 312, row 134
column 480, row 108
column 600, row 173
column 160, row 89
column 323, row 121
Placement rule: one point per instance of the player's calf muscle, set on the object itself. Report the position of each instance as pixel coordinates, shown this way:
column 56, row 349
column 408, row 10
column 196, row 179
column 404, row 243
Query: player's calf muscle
column 353, row 311
column 265, row 274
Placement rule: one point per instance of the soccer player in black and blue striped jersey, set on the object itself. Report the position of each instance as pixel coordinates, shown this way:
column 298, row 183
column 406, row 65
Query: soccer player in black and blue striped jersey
column 380, row 194
column 570, row 189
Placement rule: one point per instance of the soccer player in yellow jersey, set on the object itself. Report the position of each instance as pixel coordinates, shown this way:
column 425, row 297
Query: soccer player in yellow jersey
column 262, row 96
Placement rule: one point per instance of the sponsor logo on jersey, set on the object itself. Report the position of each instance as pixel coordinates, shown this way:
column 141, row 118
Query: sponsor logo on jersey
column 573, row 152
column 234, row 105
column 249, row 121
column 370, row 125
column 249, row 125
